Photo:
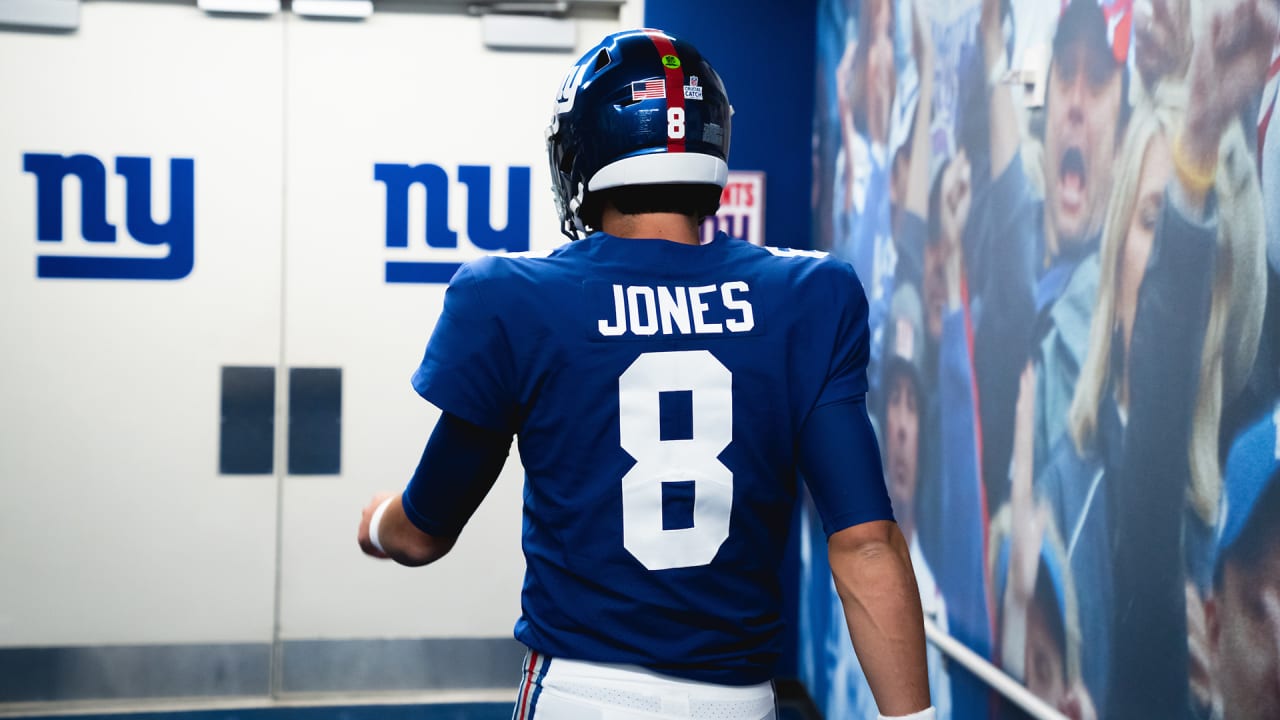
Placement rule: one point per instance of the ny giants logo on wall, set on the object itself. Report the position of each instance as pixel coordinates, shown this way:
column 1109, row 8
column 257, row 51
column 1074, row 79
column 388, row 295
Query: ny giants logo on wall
column 109, row 261
column 399, row 178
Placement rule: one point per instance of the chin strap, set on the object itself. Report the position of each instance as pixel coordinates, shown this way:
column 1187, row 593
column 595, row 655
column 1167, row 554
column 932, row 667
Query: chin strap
column 571, row 224
column 568, row 229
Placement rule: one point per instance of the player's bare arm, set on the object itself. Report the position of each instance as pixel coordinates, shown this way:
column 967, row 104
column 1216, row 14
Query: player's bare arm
column 870, row 559
column 872, row 569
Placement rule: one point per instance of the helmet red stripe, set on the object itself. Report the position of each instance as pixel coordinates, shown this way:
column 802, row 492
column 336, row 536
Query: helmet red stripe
column 675, row 82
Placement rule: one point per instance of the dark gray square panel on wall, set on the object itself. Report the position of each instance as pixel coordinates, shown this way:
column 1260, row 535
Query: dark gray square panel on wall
column 315, row 421
column 246, row 434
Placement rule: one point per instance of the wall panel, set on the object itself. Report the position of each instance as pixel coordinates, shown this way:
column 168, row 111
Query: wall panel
column 116, row 522
column 409, row 89
column 139, row 570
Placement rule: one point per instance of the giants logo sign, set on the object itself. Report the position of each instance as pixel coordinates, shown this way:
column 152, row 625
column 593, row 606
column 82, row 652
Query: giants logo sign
column 435, row 180
column 111, row 261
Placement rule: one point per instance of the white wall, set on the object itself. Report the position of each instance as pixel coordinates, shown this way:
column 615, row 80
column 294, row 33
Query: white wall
column 115, row 526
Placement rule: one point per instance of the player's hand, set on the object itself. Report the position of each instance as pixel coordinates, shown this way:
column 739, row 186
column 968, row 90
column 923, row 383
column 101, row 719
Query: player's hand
column 362, row 535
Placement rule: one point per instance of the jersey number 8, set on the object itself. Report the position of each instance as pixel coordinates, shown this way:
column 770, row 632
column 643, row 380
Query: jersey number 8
column 659, row 461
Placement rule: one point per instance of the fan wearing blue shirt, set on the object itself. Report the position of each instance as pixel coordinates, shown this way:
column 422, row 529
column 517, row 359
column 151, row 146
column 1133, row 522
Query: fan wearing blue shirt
column 665, row 395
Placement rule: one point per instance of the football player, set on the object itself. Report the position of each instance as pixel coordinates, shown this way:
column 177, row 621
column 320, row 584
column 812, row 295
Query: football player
column 664, row 394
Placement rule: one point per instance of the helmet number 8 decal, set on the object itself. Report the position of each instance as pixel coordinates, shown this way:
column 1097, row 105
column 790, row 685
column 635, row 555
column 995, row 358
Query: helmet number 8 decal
column 675, row 123
column 692, row 460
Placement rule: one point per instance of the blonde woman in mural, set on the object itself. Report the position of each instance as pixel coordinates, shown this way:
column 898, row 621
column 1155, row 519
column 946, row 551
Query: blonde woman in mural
column 1142, row 392
column 1185, row 394
column 1178, row 272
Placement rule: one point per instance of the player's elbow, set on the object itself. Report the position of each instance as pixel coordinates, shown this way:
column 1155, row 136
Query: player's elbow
column 422, row 549
column 865, row 550
column 870, row 539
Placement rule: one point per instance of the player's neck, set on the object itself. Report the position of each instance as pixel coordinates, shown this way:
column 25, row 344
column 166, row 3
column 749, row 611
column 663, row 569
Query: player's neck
column 665, row 226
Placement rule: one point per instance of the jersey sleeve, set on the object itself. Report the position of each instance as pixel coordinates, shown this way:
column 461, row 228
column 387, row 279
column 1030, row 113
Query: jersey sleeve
column 458, row 467
column 468, row 367
column 840, row 459
column 846, row 373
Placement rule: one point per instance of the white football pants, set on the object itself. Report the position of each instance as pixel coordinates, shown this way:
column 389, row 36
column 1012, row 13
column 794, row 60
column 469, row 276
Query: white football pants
column 558, row 689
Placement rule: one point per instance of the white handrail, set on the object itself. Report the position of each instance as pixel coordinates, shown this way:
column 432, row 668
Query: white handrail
column 990, row 674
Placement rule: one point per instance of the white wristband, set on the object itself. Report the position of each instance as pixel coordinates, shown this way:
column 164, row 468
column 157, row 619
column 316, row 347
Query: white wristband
column 377, row 520
column 929, row 713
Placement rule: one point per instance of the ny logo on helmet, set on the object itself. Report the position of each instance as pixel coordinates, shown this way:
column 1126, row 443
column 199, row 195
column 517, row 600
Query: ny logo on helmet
column 569, row 89
column 399, row 178
column 107, row 261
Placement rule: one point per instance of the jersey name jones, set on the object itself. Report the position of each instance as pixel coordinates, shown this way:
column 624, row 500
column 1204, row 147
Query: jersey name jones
column 700, row 310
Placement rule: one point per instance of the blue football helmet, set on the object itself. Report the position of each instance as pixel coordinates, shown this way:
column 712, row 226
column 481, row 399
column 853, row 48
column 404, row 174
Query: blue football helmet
column 640, row 108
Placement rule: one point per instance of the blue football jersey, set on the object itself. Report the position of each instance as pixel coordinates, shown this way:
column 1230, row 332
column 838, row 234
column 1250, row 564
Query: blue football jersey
column 656, row 390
